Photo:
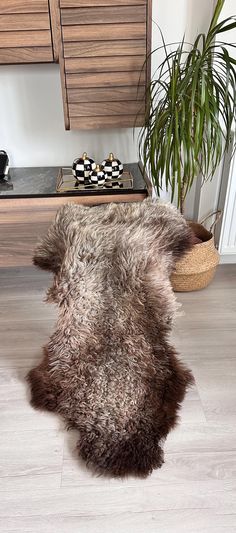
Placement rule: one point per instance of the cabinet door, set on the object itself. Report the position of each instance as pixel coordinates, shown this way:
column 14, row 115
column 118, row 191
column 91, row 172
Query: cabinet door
column 25, row 33
column 104, row 75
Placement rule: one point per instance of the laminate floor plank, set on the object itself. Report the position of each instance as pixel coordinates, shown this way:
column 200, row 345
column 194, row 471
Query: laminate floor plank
column 13, row 310
column 195, row 438
column 175, row 521
column 35, row 333
column 217, row 389
column 12, row 357
column 103, row 500
column 31, row 460
column 197, row 346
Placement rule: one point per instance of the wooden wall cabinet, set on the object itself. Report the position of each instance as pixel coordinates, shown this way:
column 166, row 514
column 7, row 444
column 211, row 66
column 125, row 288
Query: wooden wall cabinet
column 101, row 46
column 25, row 32
column 104, row 47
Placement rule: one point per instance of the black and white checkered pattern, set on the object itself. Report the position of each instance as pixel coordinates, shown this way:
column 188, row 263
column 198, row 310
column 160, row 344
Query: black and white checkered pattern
column 81, row 169
column 97, row 177
column 113, row 169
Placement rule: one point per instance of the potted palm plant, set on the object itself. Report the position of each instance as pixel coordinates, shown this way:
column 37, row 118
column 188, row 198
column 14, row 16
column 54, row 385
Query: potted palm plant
column 191, row 108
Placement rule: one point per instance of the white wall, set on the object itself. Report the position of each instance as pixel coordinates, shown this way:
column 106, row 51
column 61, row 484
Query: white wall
column 31, row 115
column 180, row 17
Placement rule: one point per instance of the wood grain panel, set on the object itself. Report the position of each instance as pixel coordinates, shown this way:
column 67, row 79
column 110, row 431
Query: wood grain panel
column 56, row 29
column 26, row 55
column 105, row 64
column 90, row 3
column 119, row 121
column 15, row 39
column 101, row 79
column 105, row 44
column 106, row 95
column 105, row 48
column 23, row 6
column 58, row 55
column 27, row 209
column 104, row 109
column 25, row 21
column 114, row 32
column 103, row 15
column 26, row 220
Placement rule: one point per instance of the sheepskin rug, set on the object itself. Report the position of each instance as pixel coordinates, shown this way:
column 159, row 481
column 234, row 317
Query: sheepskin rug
column 109, row 368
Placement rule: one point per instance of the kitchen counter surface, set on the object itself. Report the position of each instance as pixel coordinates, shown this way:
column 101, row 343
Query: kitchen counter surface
column 41, row 182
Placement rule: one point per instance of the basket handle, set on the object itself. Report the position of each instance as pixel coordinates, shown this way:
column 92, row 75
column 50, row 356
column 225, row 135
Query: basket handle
column 218, row 214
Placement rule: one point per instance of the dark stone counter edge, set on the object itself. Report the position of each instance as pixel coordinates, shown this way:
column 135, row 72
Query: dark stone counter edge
column 69, row 194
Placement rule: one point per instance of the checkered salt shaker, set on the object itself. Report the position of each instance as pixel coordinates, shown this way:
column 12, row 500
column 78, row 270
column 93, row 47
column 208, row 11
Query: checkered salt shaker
column 97, row 176
column 112, row 167
column 82, row 167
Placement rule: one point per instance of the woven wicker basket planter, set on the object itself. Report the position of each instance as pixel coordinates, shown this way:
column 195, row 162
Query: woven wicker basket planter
column 196, row 270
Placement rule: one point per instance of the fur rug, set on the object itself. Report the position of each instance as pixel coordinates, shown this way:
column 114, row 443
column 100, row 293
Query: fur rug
column 109, row 368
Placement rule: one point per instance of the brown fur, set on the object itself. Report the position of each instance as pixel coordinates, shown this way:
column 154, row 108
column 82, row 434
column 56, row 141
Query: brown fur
column 109, row 369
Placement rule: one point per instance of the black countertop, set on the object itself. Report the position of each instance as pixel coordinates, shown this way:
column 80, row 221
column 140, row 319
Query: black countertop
column 41, row 182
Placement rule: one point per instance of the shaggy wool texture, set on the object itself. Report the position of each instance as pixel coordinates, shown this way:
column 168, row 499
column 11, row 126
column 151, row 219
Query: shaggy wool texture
column 109, row 368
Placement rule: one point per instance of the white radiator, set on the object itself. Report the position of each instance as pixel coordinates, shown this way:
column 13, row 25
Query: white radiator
column 227, row 244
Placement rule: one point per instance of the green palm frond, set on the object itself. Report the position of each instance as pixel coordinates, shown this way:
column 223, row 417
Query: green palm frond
column 191, row 108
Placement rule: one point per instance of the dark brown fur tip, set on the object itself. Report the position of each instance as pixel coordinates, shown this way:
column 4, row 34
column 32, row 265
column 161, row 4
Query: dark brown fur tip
column 183, row 243
column 108, row 368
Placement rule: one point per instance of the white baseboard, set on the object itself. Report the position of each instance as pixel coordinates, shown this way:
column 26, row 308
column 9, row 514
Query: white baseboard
column 227, row 259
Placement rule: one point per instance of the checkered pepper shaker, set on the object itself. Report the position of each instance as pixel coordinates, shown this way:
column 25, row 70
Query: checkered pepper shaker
column 97, row 176
column 112, row 167
column 82, row 167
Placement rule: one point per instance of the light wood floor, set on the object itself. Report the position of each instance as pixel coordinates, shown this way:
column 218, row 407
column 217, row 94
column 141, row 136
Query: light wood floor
column 43, row 486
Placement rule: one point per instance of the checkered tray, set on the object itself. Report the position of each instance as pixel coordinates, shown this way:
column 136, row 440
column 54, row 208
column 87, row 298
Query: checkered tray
column 67, row 183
